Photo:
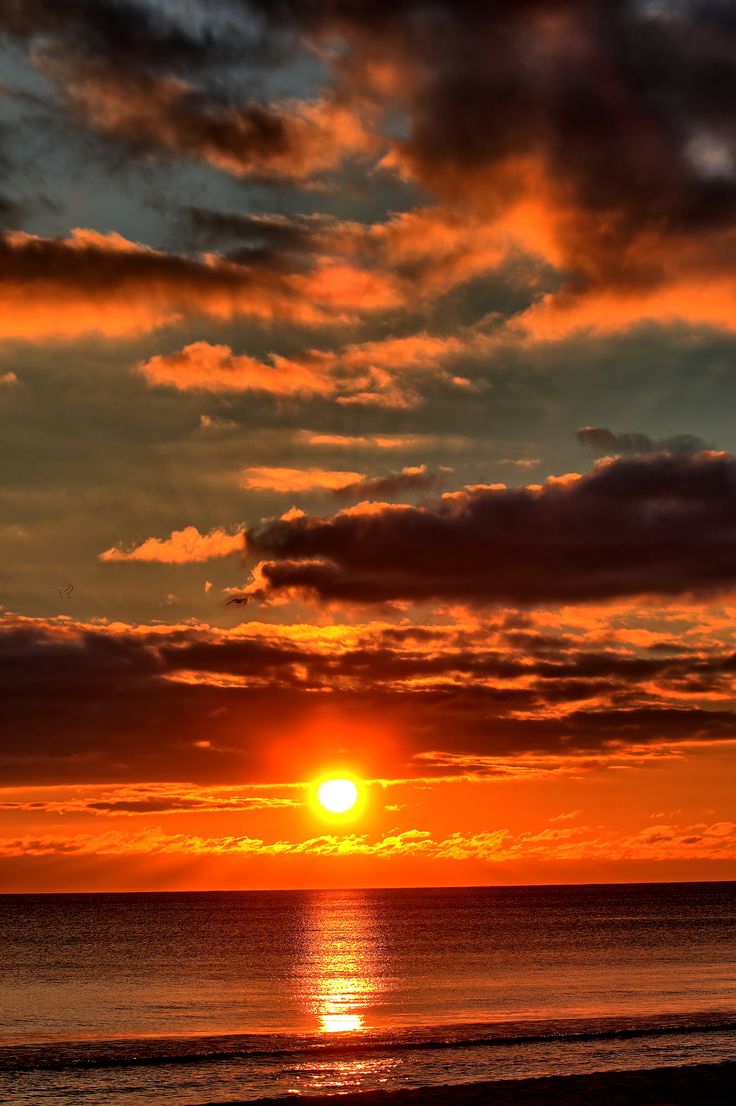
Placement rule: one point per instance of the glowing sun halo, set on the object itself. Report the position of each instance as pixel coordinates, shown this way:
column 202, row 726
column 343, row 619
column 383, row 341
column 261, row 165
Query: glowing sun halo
column 338, row 796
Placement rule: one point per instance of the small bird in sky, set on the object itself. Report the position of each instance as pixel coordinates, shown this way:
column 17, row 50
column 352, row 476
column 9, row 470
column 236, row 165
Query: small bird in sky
column 63, row 593
column 239, row 600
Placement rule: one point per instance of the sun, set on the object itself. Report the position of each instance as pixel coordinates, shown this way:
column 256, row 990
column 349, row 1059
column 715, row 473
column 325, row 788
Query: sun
column 337, row 796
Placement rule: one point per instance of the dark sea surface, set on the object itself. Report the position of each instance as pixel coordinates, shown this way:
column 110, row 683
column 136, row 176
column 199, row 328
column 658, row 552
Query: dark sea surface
column 171, row 999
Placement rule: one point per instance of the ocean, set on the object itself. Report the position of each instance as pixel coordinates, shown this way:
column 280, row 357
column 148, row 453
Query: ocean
column 179, row 999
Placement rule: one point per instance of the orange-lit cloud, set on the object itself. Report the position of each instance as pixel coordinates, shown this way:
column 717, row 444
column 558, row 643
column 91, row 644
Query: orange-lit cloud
column 105, row 283
column 211, row 368
column 383, row 373
column 342, row 485
column 432, row 248
column 293, row 140
column 701, row 302
column 360, row 441
column 454, row 442
column 185, row 546
column 296, row 480
column 631, row 200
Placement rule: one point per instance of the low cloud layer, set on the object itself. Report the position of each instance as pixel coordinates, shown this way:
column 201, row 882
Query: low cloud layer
column 714, row 841
column 500, row 699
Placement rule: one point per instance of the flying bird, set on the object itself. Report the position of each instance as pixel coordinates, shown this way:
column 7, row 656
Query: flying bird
column 63, row 593
column 239, row 600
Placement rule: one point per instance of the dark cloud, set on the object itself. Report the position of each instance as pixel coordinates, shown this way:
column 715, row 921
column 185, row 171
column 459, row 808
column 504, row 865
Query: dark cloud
column 271, row 241
column 11, row 211
column 94, row 263
column 663, row 526
column 390, row 486
column 110, row 704
column 603, row 442
column 619, row 114
column 158, row 116
column 177, row 804
column 154, row 799
column 165, row 87
column 616, row 117
column 206, row 227
column 90, row 281
column 124, row 34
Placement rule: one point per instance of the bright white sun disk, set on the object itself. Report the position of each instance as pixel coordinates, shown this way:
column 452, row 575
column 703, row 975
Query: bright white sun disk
column 338, row 796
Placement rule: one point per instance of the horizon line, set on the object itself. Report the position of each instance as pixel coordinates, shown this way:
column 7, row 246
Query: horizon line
column 417, row 887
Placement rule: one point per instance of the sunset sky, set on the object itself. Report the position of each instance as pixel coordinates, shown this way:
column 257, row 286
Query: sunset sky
column 368, row 369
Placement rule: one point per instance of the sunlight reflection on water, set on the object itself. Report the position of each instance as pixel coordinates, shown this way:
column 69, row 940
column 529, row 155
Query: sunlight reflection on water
column 342, row 977
column 340, row 1023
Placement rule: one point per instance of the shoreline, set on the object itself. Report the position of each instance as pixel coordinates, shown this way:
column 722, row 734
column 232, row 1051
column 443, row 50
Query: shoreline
column 687, row 1085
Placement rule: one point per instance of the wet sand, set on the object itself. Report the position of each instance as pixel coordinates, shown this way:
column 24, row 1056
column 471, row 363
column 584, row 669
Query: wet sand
column 696, row 1085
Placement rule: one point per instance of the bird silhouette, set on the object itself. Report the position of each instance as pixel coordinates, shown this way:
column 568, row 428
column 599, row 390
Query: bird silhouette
column 239, row 600
column 63, row 593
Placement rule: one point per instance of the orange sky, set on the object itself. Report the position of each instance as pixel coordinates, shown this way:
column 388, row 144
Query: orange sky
column 371, row 394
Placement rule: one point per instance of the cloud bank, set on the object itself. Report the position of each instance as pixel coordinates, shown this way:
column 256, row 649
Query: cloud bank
column 665, row 525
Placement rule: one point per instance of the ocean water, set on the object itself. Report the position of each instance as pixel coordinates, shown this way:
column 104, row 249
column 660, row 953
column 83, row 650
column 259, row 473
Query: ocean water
column 189, row 998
